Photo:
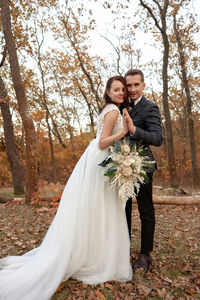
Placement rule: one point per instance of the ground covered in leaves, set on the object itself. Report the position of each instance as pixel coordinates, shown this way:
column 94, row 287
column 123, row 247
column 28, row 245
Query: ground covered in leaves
column 176, row 258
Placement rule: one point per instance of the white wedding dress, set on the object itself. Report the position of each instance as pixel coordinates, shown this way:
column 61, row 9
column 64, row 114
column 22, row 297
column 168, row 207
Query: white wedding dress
column 87, row 240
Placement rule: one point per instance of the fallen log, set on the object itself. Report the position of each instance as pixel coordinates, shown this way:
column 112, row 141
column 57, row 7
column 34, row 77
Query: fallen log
column 175, row 200
column 5, row 199
column 157, row 199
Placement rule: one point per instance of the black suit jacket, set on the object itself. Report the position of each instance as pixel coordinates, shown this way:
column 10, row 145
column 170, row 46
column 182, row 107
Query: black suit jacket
column 146, row 119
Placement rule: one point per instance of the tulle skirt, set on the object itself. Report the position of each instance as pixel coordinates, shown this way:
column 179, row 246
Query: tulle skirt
column 88, row 239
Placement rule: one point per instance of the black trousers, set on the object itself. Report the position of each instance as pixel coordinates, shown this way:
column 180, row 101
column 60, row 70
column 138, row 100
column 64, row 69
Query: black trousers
column 147, row 215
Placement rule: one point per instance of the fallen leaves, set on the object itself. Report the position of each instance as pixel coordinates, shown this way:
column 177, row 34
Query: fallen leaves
column 176, row 256
column 100, row 296
column 144, row 289
column 166, row 279
column 109, row 286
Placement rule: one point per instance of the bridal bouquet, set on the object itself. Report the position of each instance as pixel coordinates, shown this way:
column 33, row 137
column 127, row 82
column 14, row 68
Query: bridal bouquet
column 126, row 168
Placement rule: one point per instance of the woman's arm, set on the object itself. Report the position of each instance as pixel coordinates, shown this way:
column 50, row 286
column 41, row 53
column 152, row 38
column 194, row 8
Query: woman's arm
column 106, row 138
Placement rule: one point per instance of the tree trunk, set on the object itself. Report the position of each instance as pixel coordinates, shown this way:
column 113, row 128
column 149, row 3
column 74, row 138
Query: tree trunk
column 184, row 137
column 53, row 163
column 168, row 124
column 11, row 150
column 90, row 109
column 195, row 175
column 164, row 139
column 44, row 101
column 30, row 135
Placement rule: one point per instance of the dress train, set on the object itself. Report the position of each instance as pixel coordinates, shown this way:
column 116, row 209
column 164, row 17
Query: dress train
column 88, row 239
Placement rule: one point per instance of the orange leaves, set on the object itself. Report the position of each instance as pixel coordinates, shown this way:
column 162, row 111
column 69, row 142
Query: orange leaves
column 175, row 270
column 60, row 194
column 38, row 115
column 52, row 204
column 60, row 288
column 4, row 100
column 100, row 296
column 5, row 174
column 49, row 195
column 54, row 199
column 109, row 286
column 34, row 198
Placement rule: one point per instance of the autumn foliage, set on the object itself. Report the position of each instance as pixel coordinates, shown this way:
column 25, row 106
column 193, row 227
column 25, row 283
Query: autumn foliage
column 64, row 82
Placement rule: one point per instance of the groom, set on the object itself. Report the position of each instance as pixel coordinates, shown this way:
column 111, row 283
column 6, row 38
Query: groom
column 146, row 130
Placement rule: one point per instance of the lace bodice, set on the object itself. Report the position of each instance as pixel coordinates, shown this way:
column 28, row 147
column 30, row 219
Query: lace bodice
column 100, row 122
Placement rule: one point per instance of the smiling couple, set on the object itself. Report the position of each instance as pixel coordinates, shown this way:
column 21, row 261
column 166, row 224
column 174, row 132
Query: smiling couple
column 89, row 239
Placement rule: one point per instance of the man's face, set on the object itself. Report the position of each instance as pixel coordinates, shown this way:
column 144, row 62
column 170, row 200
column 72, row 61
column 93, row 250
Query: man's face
column 135, row 86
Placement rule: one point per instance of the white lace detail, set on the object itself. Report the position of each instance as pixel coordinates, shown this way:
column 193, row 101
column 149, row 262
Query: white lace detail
column 100, row 122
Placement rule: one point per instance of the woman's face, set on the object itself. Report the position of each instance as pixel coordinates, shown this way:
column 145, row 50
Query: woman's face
column 117, row 92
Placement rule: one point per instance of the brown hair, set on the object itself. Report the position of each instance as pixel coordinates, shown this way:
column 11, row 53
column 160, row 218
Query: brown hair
column 108, row 100
column 133, row 72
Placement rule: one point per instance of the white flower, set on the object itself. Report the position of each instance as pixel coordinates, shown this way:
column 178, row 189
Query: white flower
column 128, row 162
column 127, row 171
column 125, row 149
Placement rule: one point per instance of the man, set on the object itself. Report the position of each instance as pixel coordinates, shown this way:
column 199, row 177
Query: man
column 146, row 130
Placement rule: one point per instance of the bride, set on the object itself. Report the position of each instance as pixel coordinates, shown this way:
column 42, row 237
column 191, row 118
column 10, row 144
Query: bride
column 88, row 239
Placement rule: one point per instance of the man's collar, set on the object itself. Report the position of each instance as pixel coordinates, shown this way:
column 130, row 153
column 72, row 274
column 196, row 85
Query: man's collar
column 136, row 101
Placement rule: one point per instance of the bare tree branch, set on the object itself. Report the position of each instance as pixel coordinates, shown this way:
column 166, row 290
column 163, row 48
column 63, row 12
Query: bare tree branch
column 158, row 4
column 152, row 15
column 81, row 62
column 117, row 50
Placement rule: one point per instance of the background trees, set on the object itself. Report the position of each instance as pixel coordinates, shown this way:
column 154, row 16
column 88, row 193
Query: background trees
column 31, row 164
column 64, row 72
column 159, row 16
column 10, row 146
column 184, row 38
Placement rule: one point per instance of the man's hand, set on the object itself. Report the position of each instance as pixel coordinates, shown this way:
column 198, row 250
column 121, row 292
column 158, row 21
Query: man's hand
column 128, row 121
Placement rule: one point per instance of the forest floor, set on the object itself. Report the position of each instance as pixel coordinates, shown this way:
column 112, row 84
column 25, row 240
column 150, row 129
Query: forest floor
column 175, row 273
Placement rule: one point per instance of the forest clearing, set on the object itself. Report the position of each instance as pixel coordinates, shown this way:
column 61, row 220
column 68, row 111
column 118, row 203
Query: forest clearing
column 175, row 273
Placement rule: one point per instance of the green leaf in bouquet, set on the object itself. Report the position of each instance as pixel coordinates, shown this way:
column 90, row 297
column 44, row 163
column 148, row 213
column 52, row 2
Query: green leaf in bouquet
column 148, row 165
column 133, row 147
column 142, row 151
column 144, row 176
column 110, row 172
column 117, row 146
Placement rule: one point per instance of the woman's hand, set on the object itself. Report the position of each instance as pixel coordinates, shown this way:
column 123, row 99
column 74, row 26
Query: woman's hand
column 125, row 123
column 128, row 121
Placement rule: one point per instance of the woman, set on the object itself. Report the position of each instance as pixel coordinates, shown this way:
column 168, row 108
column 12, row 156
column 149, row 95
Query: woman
column 88, row 238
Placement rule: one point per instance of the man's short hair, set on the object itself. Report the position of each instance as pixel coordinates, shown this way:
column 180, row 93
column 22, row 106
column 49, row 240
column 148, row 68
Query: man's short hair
column 133, row 72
